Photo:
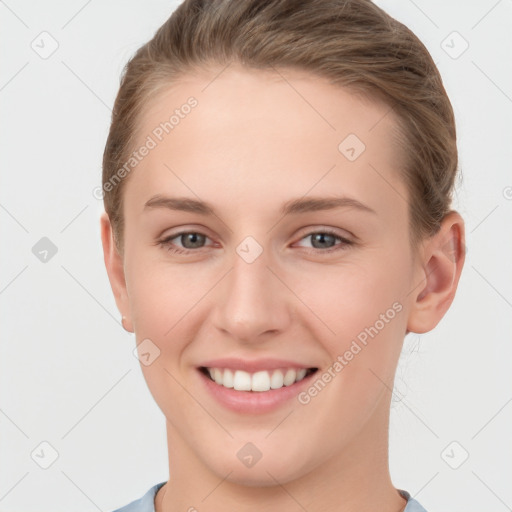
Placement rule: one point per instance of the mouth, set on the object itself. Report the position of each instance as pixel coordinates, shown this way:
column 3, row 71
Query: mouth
column 256, row 382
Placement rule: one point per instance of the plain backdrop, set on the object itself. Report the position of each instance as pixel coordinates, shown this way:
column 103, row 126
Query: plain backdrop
column 71, row 388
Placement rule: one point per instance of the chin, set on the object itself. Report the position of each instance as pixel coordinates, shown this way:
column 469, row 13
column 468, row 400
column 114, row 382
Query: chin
column 273, row 469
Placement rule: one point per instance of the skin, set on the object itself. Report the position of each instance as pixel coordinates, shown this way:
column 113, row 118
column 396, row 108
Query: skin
column 253, row 143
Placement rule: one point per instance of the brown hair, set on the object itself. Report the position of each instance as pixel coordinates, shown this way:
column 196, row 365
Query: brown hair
column 353, row 43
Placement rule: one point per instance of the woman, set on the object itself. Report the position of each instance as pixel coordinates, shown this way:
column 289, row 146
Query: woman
column 278, row 180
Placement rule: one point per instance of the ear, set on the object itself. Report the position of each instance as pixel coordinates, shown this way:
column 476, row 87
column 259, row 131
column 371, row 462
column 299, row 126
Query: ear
column 442, row 259
column 115, row 270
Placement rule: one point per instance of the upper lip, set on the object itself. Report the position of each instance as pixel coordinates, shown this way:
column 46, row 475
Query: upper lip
column 252, row 366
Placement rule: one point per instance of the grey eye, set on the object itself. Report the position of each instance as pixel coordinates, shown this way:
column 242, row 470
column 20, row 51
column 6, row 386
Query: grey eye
column 196, row 240
column 323, row 240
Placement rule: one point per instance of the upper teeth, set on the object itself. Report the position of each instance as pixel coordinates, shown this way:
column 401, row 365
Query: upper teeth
column 259, row 381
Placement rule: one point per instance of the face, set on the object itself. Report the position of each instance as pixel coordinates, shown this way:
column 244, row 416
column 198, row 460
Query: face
column 268, row 230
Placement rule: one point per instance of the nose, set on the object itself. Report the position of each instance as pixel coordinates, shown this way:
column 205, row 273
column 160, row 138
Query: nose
column 252, row 304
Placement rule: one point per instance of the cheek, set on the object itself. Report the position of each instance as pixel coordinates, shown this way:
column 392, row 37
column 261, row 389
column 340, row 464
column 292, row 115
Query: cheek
column 347, row 299
column 364, row 307
column 160, row 294
column 169, row 305
column 163, row 302
column 155, row 302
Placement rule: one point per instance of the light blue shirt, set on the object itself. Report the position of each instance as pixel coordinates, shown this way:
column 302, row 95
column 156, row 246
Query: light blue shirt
column 147, row 502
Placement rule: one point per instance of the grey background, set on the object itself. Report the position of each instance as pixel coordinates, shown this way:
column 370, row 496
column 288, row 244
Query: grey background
column 68, row 376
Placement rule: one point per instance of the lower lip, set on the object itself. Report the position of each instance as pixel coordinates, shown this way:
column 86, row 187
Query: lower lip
column 253, row 402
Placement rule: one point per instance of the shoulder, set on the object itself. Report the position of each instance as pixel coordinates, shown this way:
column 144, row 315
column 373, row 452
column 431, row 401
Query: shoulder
column 412, row 504
column 144, row 504
column 147, row 502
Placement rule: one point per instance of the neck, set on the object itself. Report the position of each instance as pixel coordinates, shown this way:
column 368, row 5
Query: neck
column 355, row 478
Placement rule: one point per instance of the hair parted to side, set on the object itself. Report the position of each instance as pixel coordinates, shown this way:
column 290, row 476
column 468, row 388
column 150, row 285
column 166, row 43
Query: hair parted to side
column 352, row 43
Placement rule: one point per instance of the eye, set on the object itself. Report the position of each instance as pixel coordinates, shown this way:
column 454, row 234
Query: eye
column 190, row 240
column 325, row 241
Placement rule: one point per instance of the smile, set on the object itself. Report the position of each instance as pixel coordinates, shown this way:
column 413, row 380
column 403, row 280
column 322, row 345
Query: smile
column 259, row 381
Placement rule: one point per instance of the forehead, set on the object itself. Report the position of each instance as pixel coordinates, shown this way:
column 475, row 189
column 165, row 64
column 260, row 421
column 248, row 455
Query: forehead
column 290, row 101
column 280, row 133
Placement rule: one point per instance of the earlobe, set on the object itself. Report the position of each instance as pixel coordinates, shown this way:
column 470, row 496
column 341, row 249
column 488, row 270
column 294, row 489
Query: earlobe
column 115, row 270
column 442, row 263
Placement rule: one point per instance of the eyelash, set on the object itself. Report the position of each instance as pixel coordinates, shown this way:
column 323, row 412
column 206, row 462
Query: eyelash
column 166, row 242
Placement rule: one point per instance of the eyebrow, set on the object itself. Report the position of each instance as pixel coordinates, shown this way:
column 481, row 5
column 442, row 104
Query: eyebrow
column 294, row 206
